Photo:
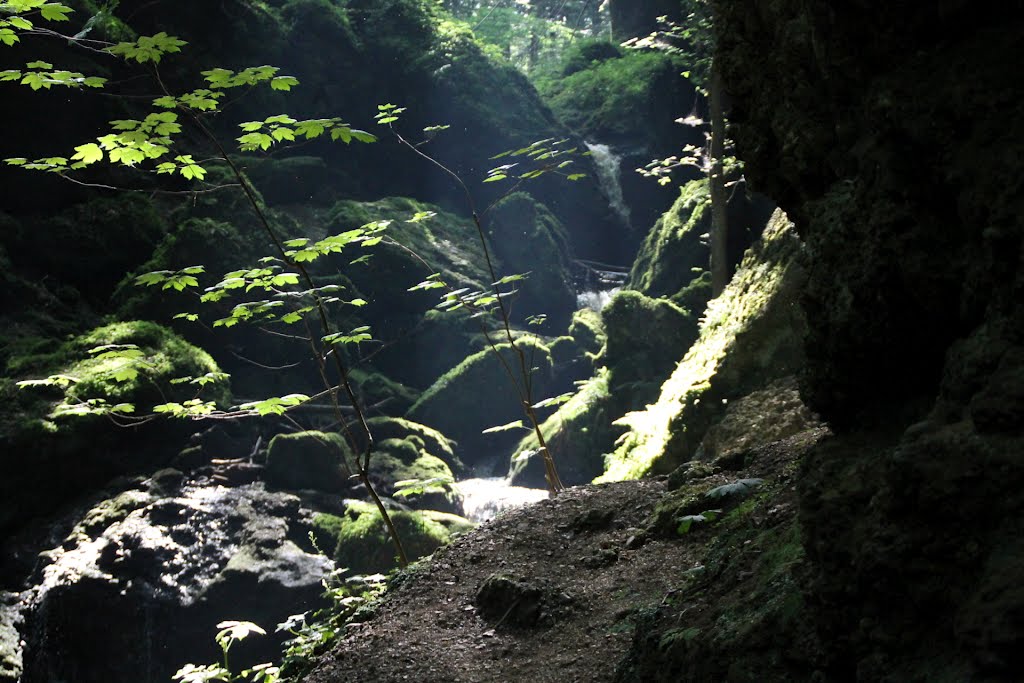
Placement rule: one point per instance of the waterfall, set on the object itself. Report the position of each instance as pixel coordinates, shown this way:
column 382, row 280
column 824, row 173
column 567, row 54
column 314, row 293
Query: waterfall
column 608, row 177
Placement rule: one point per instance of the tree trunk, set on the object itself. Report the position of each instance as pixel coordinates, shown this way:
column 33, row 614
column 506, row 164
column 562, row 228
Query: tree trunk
column 716, row 183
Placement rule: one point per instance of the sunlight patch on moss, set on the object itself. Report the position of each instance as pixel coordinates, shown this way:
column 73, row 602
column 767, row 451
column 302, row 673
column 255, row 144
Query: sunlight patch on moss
column 652, row 431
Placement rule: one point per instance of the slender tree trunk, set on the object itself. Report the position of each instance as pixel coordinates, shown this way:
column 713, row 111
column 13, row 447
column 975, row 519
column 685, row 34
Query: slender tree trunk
column 716, row 182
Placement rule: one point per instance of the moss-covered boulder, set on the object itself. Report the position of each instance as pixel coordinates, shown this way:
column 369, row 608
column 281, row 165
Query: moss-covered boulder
column 404, row 469
column 673, row 259
column 89, row 246
column 52, row 445
column 674, row 252
column 646, row 338
column 428, row 439
column 131, row 362
column 750, row 335
column 587, row 330
column 527, row 238
column 578, row 435
column 359, row 540
column 382, row 392
column 477, row 394
column 308, row 460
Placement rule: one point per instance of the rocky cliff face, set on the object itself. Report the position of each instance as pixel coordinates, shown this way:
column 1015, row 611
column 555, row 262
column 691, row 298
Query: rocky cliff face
column 892, row 137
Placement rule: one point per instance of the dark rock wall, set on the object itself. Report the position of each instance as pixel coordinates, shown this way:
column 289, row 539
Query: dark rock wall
column 892, row 135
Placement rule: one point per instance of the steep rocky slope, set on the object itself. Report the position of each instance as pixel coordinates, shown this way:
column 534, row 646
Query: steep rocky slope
column 892, row 135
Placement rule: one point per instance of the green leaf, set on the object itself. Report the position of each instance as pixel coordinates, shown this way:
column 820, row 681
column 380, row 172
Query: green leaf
column 8, row 37
column 496, row 177
column 153, row 278
column 282, row 134
column 285, row 279
column 518, row 424
column 20, row 23
column 193, row 171
column 88, row 153
column 362, row 135
column 253, row 141
column 53, row 11
column 284, row 82
column 275, row 406
column 576, row 176
column 312, row 128
column 741, row 487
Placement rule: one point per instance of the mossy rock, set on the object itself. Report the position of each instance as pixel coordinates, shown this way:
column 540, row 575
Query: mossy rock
column 360, row 541
column 445, row 243
column 585, row 54
column 432, row 344
column 623, row 97
column 673, row 259
column 578, row 435
column 90, row 246
column 645, row 339
column 587, row 330
column 751, row 335
column 673, row 253
column 405, row 460
column 432, row 441
column 477, row 394
column 143, row 381
column 52, row 450
column 308, row 460
column 527, row 238
column 377, row 390
column 216, row 245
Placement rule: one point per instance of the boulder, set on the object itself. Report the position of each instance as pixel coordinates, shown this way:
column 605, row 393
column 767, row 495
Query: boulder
column 361, row 542
column 751, row 335
column 308, row 460
column 163, row 571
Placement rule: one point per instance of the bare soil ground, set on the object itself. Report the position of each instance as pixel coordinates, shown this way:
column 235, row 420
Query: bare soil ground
column 553, row 592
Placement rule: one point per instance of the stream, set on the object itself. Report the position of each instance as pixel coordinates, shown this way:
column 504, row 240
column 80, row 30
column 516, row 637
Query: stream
column 487, row 496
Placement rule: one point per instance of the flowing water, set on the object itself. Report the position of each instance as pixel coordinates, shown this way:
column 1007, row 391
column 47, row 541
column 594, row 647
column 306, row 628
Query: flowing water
column 609, row 177
column 486, row 497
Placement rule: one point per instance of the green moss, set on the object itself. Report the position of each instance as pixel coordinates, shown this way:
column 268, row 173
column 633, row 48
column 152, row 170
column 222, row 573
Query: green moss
column 446, row 243
column 363, row 545
column 645, row 339
column 477, row 394
column 165, row 356
column 588, row 53
column 308, row 460
column 431, row 441
column 750, row 335
column 107, row 513
column 607, row 97
column 579, row 433
column 673, row 254
column 587, row 330
column 378, row 390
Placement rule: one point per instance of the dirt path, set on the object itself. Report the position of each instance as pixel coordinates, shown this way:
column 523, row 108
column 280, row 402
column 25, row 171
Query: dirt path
column 573, row 570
